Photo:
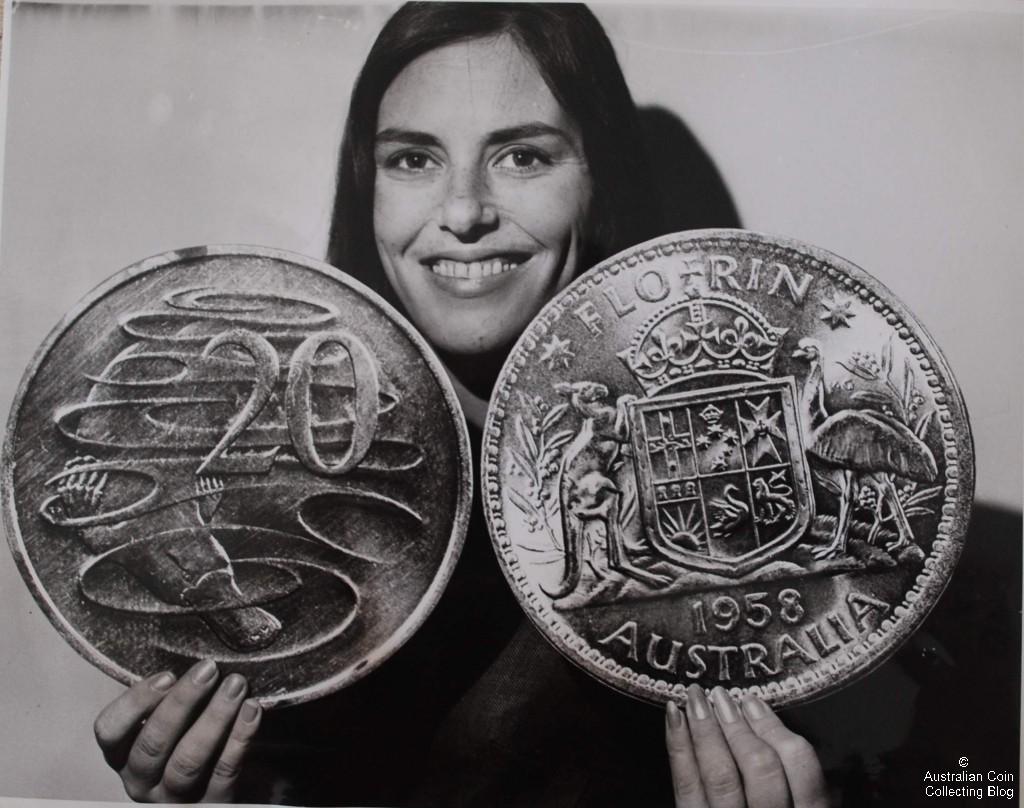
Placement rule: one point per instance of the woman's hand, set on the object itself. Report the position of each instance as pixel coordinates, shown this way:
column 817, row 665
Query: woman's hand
column 171, row 741
column 728, row 757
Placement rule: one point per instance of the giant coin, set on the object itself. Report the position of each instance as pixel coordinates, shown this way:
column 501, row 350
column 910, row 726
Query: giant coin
column 727, row 459
column 241, row 454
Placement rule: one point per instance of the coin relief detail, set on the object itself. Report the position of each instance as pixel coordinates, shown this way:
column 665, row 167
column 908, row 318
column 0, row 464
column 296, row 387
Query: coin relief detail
column 728, row 459
column 220, row 454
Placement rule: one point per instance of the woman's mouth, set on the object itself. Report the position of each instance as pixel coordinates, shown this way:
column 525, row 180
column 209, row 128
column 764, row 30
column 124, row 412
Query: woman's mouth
column 473, row 270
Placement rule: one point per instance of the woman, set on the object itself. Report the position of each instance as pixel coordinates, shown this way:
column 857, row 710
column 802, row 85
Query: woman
column 493, row 151
column 580, row 75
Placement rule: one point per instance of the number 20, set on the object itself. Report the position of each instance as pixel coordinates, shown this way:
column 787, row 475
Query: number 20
column 298, row 411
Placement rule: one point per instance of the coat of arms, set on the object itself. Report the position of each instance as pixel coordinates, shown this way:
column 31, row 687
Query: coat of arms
column 723, row 483
column 721, row 472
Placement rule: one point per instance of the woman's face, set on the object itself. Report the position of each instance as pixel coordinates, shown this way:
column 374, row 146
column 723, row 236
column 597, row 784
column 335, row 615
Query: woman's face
column 481, row 193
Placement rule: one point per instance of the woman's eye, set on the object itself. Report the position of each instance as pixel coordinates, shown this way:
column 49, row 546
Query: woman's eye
column 523, row 160
column 411, row 161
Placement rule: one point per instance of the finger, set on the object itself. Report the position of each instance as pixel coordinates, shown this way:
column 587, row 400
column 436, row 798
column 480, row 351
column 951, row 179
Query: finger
column 799, row 760
column 764, row 778
column 194, row 755
column 229, row 764
column 120, row 721
column 723, row 787
column 168, row 722
column 682, row 760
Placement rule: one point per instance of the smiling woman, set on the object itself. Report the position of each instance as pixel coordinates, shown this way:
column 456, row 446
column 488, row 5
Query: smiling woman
column 482, row 193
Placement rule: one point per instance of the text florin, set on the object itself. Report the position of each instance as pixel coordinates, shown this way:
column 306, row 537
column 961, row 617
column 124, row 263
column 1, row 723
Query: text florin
column 693, row 273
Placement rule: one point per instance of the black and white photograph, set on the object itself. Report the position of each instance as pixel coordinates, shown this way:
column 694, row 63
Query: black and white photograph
column 511, row 404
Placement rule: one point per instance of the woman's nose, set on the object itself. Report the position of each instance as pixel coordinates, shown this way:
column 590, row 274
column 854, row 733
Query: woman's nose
column 468, row 210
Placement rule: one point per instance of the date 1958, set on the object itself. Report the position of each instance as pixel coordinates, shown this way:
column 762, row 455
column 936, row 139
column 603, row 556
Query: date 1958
column 757, row 636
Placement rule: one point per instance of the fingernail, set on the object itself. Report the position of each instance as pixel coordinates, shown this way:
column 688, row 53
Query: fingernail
column 204, row 672
column 724, row 705
column 675, row 718
column 250, row 711
column 696, row 703
column 754, row 708
column 162, row 681
column 233, row 687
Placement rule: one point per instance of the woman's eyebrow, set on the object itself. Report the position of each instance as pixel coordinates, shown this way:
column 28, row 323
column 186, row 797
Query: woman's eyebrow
column 527, row 130
column 413, row 137
column 406, row 136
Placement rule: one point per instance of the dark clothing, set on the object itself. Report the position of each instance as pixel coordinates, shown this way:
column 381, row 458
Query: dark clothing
column 951, row 691
column 477, row 709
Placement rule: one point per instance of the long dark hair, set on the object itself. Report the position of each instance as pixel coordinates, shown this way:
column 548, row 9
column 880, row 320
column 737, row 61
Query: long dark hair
column 576, row 59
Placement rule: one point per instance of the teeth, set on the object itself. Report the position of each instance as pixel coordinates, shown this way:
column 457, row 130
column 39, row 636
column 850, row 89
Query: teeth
column 472, row 270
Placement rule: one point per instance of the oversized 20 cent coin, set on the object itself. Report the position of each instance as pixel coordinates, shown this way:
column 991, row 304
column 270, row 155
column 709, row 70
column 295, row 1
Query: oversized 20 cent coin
column 727, row 459
column 242, row 454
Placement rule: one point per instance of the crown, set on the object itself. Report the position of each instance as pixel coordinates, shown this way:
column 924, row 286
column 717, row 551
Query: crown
column 700, row 336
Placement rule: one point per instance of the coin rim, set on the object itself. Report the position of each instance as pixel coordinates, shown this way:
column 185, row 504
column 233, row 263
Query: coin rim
column 350, row 674
column 919, row 598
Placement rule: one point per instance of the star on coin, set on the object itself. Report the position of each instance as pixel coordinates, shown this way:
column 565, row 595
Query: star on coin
column 556, row 350
column 760, row 428
column 837, row 312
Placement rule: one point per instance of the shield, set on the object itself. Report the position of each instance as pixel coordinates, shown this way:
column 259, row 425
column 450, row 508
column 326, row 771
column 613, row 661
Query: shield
column 722, row 475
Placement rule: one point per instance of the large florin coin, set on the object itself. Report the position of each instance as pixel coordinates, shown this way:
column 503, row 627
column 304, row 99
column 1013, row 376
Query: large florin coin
column 727, row 459
column 226, row 452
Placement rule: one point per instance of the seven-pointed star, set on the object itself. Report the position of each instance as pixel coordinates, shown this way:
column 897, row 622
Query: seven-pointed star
column 556, row 350
column 837, row 312
column 759, row 430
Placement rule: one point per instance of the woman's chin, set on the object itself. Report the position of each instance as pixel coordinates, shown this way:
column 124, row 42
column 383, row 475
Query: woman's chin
column 467, row 342
column 472, row 333
column 472, row 324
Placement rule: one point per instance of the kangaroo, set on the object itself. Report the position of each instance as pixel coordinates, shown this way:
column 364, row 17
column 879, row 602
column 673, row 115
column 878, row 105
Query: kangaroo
column 587, row 492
